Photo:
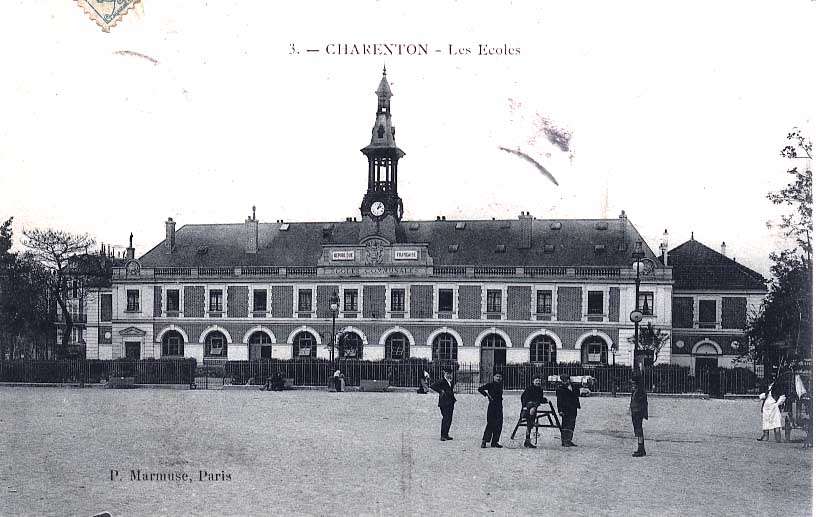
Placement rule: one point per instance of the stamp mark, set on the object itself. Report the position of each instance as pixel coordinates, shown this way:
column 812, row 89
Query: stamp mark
column 106, row 13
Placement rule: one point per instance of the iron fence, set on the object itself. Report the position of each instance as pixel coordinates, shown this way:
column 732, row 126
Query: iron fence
column 164, row 371
column 403, row 374
column 469, row 376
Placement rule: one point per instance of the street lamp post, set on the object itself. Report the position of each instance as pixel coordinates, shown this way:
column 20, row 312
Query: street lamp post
column 636, row 316
column 334, row 305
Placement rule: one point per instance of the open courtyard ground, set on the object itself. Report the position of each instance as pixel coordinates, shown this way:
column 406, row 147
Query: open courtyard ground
column 319, row 453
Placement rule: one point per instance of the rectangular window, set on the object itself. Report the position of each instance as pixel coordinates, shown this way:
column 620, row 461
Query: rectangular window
column 594, row 353
column 494, row 300
column 398, row 300
column 708, row 313
column 446, row 300
column 216, row 300
column 172, row 347
column 76, row 334
column 595, row 302
column 259, row 301
column 350, row 300
column 305, row 300
column 106, row 307
column 646, row 303
column 173, row 300
column 544, row 302
column 132, row 300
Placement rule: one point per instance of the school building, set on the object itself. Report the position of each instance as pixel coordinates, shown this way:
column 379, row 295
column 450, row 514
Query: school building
column 475, row 291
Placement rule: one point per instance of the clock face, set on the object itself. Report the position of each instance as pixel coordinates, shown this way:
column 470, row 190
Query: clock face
column 377, row 209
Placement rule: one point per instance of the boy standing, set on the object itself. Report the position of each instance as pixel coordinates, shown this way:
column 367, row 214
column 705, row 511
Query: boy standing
column 495, row 414
column 531, row 398
column 568, row 406
column 639, row 407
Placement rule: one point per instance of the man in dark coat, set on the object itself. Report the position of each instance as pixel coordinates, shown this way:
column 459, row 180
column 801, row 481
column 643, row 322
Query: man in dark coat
column 495, row 415
column 531, row 398
column 447, row 400
column 568, row 406
column 639, row 407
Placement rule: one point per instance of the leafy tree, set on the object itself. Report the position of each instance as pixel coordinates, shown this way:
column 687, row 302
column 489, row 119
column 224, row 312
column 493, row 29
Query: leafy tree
column 781, row 331
column 5, row 238
column 651, row 340
column 25, row 318
column 56, row 250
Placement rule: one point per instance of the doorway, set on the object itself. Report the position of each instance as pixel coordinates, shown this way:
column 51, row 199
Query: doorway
column 493, row 356
column 133, row 350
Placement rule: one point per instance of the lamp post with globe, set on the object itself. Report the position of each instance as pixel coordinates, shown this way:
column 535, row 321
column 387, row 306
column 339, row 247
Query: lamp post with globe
column 334, row 305
column 636, row 316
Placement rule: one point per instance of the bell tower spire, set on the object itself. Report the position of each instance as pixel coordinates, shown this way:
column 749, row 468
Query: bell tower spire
column 381, row 199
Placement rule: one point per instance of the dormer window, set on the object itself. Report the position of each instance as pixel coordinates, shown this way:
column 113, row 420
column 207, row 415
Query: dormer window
column 381, row 130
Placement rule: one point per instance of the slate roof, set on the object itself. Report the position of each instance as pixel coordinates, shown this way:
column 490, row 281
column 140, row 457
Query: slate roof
column 695, row 266
column 575, row 242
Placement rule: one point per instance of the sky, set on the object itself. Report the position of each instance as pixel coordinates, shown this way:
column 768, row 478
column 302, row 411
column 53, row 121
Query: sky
column 198, row 110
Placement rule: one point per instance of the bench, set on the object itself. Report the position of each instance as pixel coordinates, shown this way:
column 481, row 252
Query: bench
column 372, row 385
column 288, row 383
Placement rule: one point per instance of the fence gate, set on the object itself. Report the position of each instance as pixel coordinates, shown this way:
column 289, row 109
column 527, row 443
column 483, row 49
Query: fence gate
column 209, row 378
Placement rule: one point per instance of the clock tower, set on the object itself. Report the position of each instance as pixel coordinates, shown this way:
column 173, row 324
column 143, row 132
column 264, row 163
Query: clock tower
column 381, row 208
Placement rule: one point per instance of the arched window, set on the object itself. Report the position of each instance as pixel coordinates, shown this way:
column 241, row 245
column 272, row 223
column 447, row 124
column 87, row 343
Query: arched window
column 172, row 344
column 397, row 347
column 493, row 341
column 593, row 351
column 543, row 350
column 260, row 338
column 444, row 348
column 304, row 345
column 351, row 346
column 215, row 345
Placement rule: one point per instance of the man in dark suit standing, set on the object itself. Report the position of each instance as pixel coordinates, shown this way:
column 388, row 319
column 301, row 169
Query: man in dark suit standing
column 568, row 406
column 639, row 407
column 493, row 390
column 447, row 400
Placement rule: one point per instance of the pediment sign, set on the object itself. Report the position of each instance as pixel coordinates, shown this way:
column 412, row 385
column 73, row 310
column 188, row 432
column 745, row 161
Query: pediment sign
column 375, row 258
column 132, row 332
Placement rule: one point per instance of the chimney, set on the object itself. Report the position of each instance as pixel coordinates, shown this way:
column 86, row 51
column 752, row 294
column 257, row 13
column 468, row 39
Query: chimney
column 623, row 245
column 170, row 240
column 525, row 230
column 723, row 249
column 131, row 252
column 251, row 231
column 664, row 247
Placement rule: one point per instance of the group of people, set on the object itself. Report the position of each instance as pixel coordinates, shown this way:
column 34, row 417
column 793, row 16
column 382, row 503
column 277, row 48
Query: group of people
column 532, row 397
column 274, row 382
column 774, row 412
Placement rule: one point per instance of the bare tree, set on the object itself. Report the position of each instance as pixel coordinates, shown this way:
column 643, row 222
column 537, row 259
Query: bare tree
column 54, row 250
